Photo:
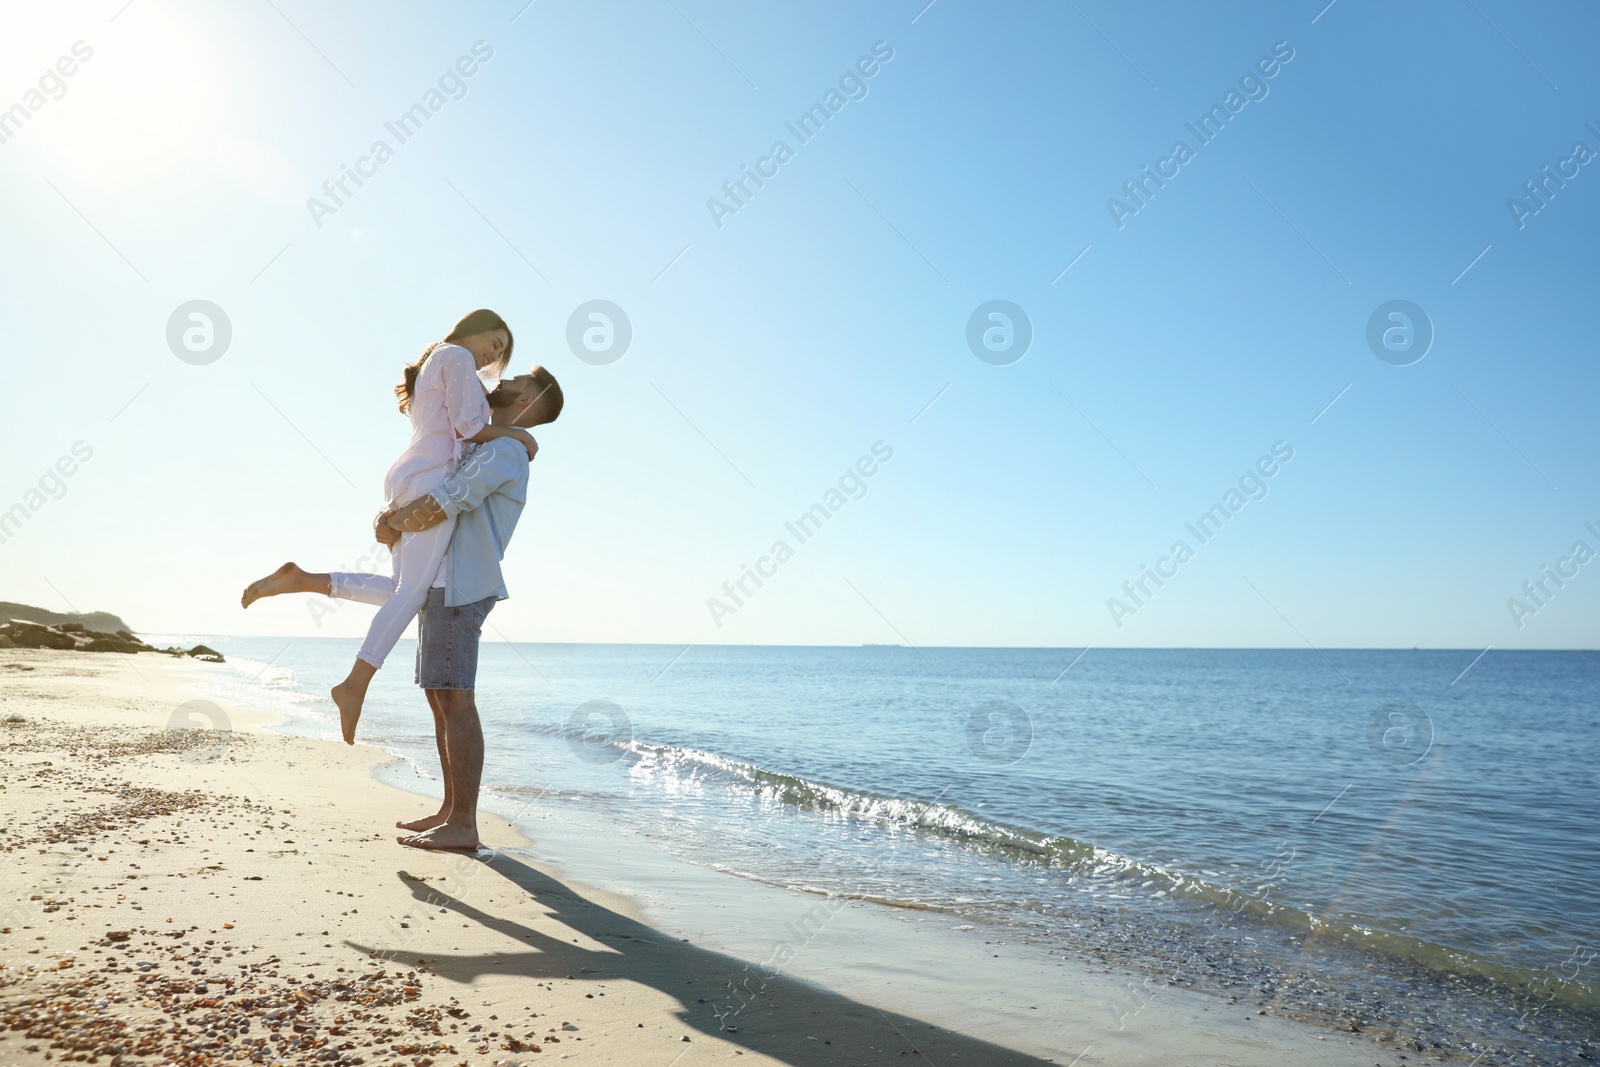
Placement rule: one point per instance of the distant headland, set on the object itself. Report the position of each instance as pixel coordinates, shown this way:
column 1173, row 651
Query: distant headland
column 23, row 626
column 103, row 621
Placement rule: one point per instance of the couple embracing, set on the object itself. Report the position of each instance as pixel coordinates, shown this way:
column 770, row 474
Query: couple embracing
column 452, row 501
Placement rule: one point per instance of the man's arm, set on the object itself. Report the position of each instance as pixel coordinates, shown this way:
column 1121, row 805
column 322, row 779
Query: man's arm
column 412, row 517
column 487, row 469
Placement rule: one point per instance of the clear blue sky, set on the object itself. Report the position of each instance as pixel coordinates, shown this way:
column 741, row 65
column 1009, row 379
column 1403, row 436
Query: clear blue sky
column 769, row 353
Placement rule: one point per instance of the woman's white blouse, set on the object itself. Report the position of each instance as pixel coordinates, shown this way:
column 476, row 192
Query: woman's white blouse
column 447, row 405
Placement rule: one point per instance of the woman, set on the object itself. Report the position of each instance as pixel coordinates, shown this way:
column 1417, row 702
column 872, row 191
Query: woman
column 443, row 395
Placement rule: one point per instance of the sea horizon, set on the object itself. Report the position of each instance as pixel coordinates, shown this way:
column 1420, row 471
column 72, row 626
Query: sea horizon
column 199, row 635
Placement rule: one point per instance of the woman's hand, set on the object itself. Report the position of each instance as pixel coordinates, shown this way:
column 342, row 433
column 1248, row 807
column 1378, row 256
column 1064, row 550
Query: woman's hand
column 385, row 534
column 527, row 440
column 490, row 432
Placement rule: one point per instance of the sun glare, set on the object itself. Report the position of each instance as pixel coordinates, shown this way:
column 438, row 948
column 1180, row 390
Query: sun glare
column 120, row 100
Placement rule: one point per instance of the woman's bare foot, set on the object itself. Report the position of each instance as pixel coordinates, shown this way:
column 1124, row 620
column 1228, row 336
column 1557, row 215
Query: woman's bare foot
column 426, row 823
column 349, row 702
column 350, row 694
column 444, row 836
column 286, row 579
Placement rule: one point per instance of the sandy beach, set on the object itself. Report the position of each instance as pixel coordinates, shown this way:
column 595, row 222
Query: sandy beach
column 183, row 885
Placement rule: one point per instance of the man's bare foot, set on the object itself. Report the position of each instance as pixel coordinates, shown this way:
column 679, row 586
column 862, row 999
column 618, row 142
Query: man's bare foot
column 349, row 702
column 426, row 823
column 286, row 579
column 444, row 836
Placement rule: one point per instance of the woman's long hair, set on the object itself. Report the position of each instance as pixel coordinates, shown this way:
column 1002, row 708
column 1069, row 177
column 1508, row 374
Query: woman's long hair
column 481, row 321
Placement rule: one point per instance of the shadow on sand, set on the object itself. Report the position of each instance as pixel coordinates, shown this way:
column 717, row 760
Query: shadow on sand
column 786, row 1018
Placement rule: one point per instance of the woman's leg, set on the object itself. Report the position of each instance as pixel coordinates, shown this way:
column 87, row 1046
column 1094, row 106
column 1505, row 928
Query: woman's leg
column 373, row 589
column 288, row 578
column 341, row 585
column 417, row 559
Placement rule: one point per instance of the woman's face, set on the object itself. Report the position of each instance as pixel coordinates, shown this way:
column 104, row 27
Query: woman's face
column 487, row 347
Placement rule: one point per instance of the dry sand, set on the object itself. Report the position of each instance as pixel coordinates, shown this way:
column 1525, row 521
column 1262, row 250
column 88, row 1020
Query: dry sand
column 195, row 895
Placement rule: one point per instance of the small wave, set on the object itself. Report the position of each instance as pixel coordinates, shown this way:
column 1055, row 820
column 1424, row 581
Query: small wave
column 551, row 793
column 266, row 674
column 684, row 764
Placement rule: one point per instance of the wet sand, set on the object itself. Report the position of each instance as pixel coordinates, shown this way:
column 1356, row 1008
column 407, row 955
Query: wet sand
column 179, row 884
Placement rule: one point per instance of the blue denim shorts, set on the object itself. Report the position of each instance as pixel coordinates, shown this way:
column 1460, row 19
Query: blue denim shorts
column 447, row 642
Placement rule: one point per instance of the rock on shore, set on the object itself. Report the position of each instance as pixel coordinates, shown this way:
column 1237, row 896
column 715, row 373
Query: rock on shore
column 75, row 637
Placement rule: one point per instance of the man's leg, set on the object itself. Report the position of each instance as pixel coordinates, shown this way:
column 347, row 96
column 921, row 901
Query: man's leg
column 428, row 823
column 447, row 667
column 463, row 746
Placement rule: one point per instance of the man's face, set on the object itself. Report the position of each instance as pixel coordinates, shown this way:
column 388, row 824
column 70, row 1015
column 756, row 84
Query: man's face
column 525, row 409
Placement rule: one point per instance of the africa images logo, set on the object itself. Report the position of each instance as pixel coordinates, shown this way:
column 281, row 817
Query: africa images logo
column 852, row 85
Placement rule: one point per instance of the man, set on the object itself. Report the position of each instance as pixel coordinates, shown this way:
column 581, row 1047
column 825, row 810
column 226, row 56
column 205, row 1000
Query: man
column 486, row 496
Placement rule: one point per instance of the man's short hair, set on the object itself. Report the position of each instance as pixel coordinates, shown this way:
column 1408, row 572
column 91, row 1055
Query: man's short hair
column 548, row 392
